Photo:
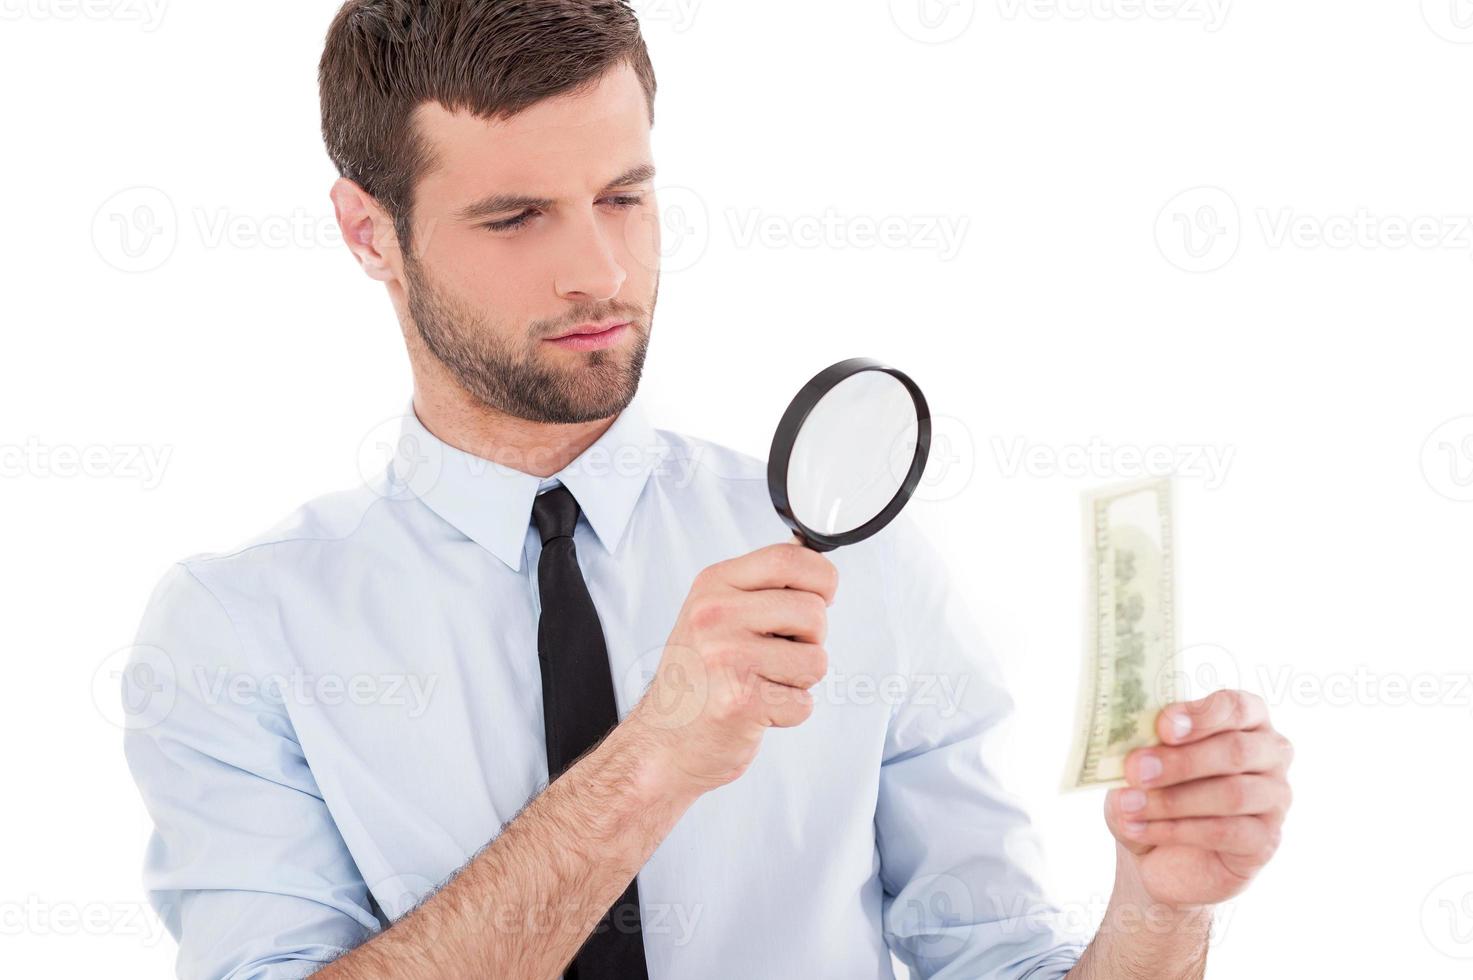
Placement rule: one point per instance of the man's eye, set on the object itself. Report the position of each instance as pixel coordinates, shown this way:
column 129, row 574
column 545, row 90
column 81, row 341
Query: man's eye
column 512, row 224
column 622, row 201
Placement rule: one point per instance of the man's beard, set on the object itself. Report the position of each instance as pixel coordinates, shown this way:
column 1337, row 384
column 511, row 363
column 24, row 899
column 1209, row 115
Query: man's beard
column 508, row 377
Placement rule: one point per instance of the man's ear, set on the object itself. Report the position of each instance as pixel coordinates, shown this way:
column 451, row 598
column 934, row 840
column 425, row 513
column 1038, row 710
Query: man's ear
column 367, row 229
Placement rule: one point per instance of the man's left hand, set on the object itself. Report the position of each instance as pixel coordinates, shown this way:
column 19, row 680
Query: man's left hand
column 1203, row 810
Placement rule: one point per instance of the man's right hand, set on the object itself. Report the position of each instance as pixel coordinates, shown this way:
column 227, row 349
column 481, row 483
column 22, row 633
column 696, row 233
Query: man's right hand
column 746, row 647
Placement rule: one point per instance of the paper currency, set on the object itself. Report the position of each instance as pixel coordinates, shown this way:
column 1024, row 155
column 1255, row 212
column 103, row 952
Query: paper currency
column 1129, row 663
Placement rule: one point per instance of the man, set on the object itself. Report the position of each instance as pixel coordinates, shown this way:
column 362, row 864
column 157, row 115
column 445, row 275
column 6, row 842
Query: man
column 596, row 623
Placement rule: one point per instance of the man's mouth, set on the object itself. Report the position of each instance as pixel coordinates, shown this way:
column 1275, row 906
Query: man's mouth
column 592, row 336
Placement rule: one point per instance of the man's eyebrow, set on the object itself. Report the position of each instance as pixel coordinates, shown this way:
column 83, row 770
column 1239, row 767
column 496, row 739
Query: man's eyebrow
column 503, row 203
column 641, row 174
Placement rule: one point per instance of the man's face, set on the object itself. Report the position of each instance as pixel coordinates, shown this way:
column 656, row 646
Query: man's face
column 526, row 229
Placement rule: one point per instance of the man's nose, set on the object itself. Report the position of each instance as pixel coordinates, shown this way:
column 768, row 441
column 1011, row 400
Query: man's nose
column 589, row 266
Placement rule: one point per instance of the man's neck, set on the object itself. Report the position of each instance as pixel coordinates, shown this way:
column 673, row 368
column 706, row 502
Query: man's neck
column 540, row 449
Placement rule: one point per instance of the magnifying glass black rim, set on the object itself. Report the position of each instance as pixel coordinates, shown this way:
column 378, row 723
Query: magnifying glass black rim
column 787, row 434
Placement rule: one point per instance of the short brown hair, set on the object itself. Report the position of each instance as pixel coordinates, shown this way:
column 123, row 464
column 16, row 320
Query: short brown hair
column 493, row 58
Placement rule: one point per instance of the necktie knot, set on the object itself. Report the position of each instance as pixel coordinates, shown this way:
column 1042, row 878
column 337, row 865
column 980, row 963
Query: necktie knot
column 555, row 513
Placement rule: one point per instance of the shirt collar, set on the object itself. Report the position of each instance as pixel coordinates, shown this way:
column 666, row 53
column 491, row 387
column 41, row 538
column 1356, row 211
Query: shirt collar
column 491, row 503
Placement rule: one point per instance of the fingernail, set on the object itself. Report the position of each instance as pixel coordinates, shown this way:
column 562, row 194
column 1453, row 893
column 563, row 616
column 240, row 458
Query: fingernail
column 1135, row 828
column 1149, row 768
column 1181, row 725
column 1132, row 800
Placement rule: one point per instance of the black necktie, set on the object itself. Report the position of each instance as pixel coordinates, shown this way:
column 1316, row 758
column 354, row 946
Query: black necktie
column 578, row 709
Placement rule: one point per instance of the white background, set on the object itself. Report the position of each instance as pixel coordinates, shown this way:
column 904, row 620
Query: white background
column 1312, row 330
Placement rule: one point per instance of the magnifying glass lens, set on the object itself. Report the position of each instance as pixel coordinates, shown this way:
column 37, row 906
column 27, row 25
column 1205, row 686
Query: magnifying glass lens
column 852, row 454
column 848, row 453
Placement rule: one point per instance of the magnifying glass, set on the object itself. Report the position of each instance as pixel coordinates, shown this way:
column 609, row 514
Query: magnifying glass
column 848, row 453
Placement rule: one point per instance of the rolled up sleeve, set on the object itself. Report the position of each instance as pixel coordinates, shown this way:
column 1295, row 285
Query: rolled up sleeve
column 245, row 865
column 959, row 858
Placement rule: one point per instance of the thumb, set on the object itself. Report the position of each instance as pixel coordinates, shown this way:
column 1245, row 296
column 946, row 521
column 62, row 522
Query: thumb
column 1116, row 819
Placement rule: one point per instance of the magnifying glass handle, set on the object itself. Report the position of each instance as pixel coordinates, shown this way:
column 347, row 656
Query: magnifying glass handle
column 800, row 538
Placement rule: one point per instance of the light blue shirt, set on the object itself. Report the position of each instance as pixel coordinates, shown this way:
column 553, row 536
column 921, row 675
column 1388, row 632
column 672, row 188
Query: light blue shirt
column 329, row 721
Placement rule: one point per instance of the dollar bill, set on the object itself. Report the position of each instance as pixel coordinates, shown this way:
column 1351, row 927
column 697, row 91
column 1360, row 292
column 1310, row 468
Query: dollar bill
column 1129, row 663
